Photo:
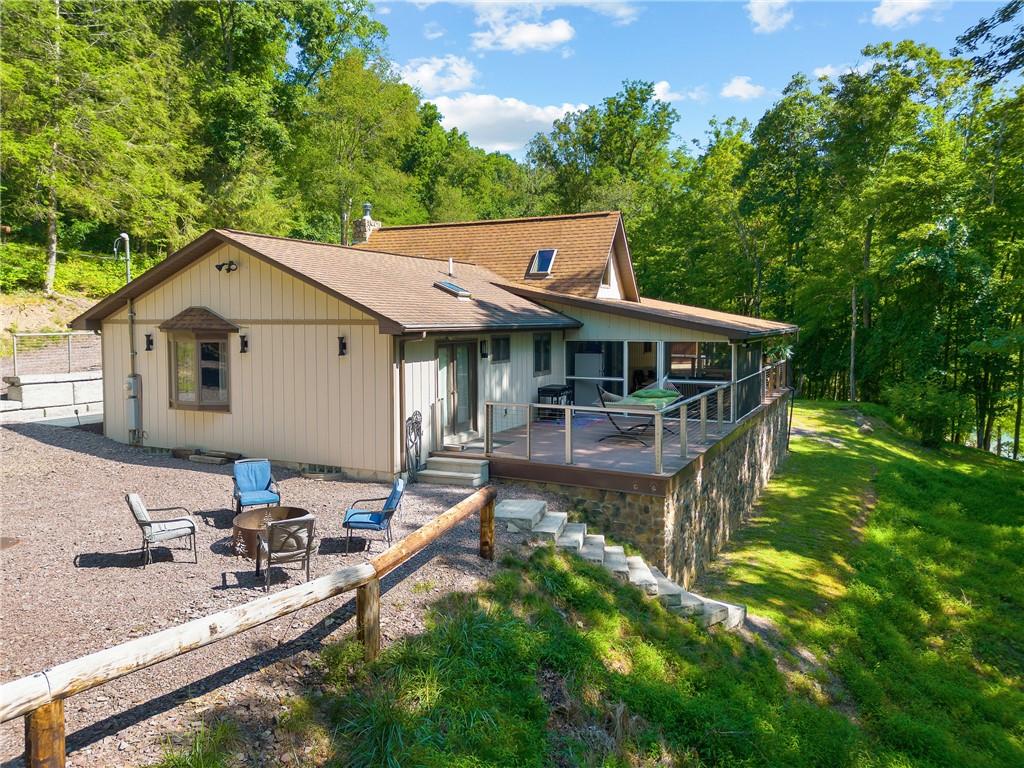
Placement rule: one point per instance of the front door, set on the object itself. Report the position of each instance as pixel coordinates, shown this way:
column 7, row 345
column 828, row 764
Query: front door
column 456, row 365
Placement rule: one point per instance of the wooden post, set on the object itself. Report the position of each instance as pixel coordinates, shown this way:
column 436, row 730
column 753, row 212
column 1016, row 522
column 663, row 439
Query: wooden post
column 44, row 736
column 568, row 434
column 487, row 531
column 368, row 617
column 529, row 430
column 488, row 438
column 684, row 412
column 720, row 405
column 704, row 419
column 659, row 465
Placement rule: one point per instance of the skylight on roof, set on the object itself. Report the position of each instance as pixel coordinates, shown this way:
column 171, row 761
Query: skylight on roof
column 543, row 261
column 453, row 288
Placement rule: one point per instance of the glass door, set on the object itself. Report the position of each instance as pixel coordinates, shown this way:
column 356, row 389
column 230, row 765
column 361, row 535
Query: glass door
column 457, row 386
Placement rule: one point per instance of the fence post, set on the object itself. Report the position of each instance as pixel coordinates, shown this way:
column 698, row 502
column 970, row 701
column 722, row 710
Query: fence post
column 568, row 434
column 659, row 464
column 44, row 736
column 721, row 416
column 487, row 531
column 368, row 617
column 529, row 430
column 488, row 418
column 14, row 337
column 704, row 419
column 69, row 353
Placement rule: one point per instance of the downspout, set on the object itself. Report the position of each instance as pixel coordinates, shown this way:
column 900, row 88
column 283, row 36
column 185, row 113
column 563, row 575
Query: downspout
column 134, row 385
column 403, row 458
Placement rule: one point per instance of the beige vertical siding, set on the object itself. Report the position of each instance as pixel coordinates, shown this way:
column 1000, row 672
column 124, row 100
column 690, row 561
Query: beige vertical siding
column 293, row 398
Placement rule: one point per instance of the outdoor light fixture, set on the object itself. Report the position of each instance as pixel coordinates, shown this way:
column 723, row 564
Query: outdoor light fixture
column 243, row 344
column 483, row 350
column 228, row 266
column 149, row 342
column 342, row 346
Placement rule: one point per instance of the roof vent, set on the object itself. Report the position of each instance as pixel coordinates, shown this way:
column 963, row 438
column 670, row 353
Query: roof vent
column 454, row 289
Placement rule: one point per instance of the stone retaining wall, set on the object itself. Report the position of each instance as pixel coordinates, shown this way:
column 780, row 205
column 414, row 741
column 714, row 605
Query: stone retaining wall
column 703, row 503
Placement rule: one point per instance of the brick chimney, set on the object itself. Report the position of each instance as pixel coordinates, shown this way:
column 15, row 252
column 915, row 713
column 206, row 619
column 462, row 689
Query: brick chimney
column 364, row 227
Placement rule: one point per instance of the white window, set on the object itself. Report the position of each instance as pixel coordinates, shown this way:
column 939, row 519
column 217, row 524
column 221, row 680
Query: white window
column 199, row 373
column 542, row 262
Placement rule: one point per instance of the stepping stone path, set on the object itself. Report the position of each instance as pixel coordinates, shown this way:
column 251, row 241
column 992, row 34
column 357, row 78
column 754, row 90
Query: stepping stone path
column 531, row 517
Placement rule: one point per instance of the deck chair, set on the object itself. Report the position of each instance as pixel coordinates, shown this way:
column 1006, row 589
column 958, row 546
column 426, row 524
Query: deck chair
column 254, row 484
column 631, row 432
column 285, row 541
column 158, row 531
column 359, row 518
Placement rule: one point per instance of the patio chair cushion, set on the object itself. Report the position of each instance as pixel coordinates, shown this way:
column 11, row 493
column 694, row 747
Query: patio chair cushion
column 365, row 520
column 259, row 497
column 252, row 475
column 170, row 529
column 656, row 393
column 285, row 556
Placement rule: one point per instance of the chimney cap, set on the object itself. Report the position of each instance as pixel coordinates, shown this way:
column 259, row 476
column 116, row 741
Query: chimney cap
column 367, row 207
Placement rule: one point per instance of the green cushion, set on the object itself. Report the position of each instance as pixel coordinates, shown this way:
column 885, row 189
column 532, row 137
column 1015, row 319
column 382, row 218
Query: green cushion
column 655, row 394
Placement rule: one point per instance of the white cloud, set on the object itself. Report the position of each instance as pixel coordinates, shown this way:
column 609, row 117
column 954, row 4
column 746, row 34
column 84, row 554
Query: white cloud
column 897, row 13
column 620, row 13
column 383, row 10
column 432, row 30
column 499, row 124
column 741, row 88
column 518, row 28
column 439, row 74
column 770, row 15
column 663, row 91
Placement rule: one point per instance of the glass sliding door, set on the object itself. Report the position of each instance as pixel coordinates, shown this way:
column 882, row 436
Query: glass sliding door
column 456, row 374
column 590, row 364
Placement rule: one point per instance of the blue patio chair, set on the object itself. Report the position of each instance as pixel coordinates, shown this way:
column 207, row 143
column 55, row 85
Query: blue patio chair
column 359, row 518
column 254, row 484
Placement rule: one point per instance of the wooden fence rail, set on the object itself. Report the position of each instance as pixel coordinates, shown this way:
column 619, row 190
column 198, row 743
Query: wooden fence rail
column 39, row 698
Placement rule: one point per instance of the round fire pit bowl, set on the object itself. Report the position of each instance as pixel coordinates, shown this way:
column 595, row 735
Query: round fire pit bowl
column 250, row 524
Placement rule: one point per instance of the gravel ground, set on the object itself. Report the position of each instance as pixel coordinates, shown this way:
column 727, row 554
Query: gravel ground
column 70, row 584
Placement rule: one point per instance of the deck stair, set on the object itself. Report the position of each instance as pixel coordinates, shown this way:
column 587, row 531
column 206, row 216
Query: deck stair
column 450, row 470
column 531, row 517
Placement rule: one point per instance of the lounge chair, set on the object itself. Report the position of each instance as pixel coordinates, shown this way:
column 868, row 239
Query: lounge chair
column 359, row 518
column 631, row 432
column 285, row 541
column 254, row 484
column 159, row 531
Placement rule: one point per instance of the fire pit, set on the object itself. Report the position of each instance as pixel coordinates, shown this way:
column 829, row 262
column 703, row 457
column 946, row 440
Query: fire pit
column 250, row 524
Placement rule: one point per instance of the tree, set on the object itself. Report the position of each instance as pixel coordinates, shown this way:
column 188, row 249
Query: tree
column 1005, row 54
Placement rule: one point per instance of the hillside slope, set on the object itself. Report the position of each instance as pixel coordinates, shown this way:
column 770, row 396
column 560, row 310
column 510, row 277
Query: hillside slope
column 884, row 586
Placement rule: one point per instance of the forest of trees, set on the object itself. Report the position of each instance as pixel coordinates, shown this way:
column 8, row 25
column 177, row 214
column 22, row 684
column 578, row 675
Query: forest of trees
column 881, row 210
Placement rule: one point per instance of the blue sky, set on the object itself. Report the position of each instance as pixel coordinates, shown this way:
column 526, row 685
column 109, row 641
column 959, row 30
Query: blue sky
column 502, row 71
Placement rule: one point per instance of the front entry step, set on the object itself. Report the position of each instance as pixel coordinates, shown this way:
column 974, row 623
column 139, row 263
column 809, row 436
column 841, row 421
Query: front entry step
column 531, row 517
column 444, row 470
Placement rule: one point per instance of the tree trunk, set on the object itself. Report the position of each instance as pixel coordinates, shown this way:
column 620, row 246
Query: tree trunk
column 865, row 300
column 1020, row 403
column 853, row 343
column 51, row 241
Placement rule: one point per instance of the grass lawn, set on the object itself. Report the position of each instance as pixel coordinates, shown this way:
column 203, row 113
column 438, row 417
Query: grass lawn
column 886, row 587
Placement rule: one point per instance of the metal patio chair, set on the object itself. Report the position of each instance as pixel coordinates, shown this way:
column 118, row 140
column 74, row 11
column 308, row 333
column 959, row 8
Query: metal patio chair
column 159, row 531
column 632, row 432
column 361, row 519
column 254, row 484
column 285, row 541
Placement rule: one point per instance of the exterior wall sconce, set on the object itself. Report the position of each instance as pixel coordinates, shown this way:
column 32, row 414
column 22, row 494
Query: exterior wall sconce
column 243, row 344
column 226, row 266
column 149, row 342
column 483, row 350
column 342, row 346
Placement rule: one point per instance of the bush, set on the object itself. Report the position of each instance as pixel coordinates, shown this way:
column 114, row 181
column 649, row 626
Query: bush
column 23, row 268
column 927, row 407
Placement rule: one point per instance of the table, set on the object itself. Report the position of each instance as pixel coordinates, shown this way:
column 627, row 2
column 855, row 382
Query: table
column 248, row 526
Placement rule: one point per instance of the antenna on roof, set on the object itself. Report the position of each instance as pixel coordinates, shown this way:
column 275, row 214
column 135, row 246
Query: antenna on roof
column 451, row 267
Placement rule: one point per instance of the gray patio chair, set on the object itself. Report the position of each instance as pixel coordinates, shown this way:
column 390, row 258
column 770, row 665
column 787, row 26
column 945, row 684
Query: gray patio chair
column 159, row 531
column 285, row 541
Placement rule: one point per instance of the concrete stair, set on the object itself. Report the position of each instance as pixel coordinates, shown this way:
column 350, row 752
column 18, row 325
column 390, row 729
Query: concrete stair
column 531, row 517
column 446, row 470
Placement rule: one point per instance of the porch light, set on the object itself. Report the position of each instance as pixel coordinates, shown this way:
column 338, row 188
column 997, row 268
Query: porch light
column 342, row 346
column 149, row 342
column 243, row 344
column 483, row 350
column 226, row 266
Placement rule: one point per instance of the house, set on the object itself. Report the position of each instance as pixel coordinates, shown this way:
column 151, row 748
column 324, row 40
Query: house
column 318, row 355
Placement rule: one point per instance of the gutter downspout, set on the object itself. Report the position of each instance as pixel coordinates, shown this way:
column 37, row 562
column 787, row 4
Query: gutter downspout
column 135, row 390
column 403, row 451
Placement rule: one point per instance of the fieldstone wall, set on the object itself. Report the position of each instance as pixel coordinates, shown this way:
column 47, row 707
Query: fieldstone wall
column 683, row 528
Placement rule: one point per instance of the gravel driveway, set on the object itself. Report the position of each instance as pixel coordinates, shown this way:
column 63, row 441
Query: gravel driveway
column 70, row 583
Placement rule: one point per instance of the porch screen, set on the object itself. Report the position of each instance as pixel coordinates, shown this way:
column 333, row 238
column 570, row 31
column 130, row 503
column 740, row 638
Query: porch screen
column 698, row 360
column 590, row 364
column 748, row 390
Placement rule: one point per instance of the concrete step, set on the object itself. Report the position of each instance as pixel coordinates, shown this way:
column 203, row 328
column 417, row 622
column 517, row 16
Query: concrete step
column 572, row 537
column 615, row 561
column 520, row 514
column 640, row 575
column 438, row 477
column 465, row 466
column 550, row 526
column 721, row 612
column 675, row 598
column 593, row 548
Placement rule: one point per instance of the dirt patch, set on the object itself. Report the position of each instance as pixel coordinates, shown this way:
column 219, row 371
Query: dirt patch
column 33, row 312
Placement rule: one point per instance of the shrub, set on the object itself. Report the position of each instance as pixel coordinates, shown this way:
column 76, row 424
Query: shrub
column 927, row 407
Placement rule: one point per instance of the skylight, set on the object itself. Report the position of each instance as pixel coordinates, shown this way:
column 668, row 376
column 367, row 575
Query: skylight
column 453, row 288
column 542, row 261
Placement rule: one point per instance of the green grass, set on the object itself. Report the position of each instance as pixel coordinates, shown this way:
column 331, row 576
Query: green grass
column 889, row 583
column 209, row 748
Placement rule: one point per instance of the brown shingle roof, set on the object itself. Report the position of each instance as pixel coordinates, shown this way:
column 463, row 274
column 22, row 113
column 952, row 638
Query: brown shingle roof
column 734, row 327
column 198, row 320
column 507, row 246
column 397, row 290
